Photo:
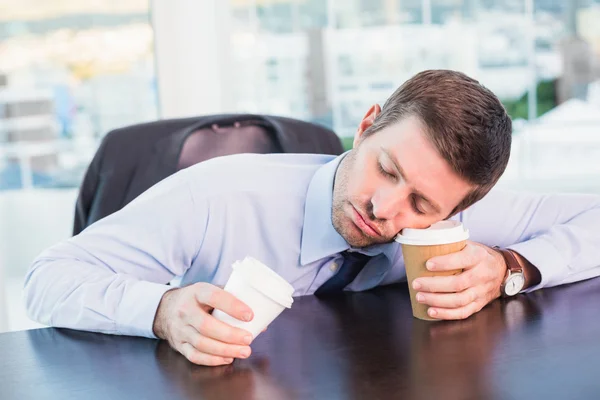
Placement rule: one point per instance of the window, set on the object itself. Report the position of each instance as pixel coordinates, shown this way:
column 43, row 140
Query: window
column 542, row 58
column 70, row 71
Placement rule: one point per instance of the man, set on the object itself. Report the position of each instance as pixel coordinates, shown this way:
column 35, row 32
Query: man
column 436, row 148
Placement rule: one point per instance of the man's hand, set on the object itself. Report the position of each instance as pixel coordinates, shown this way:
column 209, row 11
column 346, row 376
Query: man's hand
column 459, row 296
column 183, row 319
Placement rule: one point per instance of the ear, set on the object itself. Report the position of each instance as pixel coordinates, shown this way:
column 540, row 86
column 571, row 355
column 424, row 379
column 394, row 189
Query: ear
column 366, row 122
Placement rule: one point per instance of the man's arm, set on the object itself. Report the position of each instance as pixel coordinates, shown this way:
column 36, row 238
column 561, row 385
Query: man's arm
column 553, row 235
column 112, row 276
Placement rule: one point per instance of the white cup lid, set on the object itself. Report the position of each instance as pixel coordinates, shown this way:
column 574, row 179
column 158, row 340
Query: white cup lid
column 442, row 232
column 265, row 280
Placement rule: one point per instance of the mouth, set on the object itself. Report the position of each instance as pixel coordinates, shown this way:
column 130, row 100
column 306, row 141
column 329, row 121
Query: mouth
column 364, row 225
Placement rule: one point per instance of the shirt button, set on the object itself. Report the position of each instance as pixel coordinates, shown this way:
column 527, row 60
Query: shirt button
column 334, row 267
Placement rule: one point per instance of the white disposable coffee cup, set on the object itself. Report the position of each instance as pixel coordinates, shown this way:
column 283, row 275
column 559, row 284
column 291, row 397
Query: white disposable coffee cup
column 443, row 232
column 420, row 245
column 263, row 290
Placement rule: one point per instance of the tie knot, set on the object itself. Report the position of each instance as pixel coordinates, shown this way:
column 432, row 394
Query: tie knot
column 354, row 256
column 351, row 267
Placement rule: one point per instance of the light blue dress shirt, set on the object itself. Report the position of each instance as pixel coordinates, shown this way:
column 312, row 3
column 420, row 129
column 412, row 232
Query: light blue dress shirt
column 192, row 226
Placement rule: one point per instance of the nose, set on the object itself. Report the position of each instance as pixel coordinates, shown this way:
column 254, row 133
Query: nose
column 389, row 202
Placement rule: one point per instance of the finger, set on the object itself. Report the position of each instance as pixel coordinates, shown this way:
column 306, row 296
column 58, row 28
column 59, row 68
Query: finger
column 445, row 284
column 197, row 357
column 467, row 258
column 219, row 299
column 448, row 300
column 455, row 313
column 214, row 347
column 209, row 326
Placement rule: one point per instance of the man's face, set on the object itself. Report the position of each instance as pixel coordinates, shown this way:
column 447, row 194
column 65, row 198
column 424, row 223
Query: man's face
column 391, row 180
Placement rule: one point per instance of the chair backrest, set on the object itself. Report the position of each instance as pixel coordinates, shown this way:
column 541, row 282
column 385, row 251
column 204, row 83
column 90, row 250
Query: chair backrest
column 215, row 141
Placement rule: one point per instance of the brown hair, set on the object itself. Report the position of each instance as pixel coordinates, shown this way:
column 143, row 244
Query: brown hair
column 465, row 121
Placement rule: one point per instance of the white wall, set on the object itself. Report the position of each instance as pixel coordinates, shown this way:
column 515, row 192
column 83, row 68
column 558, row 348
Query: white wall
column 30, row 221
column 192, row 56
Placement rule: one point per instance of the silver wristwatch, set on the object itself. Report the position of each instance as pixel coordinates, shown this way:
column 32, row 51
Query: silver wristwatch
column 514, row 281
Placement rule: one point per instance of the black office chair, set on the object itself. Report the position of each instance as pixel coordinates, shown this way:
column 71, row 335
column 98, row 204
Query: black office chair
column 132, row 159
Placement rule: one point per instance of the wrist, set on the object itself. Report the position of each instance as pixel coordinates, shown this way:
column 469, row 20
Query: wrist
column 159, row 326
column 532, row 274
column 500, row 260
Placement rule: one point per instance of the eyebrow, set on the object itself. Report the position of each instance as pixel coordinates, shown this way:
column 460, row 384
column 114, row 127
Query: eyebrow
column 403, row 175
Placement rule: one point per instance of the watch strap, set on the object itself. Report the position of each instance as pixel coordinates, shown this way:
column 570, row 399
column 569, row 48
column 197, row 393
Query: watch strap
column 510, row 259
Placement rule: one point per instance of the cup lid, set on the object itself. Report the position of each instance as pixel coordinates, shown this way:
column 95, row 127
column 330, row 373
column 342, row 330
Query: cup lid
column 442, row 232
column 265, row 280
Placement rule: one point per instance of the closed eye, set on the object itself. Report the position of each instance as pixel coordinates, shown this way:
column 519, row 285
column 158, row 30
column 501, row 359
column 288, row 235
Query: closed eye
column 384, row 172
column 416, row 207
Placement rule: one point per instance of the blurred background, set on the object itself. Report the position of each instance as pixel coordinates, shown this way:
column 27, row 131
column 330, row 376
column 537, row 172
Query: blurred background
column 72, row 70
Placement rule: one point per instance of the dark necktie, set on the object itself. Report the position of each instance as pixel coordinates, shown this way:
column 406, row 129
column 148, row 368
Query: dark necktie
column 353, row 264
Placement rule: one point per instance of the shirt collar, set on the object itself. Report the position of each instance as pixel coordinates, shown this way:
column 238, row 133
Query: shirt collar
column 319, row 237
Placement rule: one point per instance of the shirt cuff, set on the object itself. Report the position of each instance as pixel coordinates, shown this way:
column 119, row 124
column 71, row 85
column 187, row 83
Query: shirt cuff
column 546, row 258
column 137, row 309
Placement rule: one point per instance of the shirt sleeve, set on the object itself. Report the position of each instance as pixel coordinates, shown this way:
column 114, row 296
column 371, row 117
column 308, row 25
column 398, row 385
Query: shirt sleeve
column 111, row 277
column 557, row 233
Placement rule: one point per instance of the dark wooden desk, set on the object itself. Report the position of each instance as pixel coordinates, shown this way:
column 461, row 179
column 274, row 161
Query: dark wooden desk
column 356, row 346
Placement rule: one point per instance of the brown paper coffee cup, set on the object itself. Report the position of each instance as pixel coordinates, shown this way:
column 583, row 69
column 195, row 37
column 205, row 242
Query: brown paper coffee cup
column 415, row 258
column 420, row 245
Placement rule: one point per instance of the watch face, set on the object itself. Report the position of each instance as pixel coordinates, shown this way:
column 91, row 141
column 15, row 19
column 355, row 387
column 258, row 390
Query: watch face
column 514, row 284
